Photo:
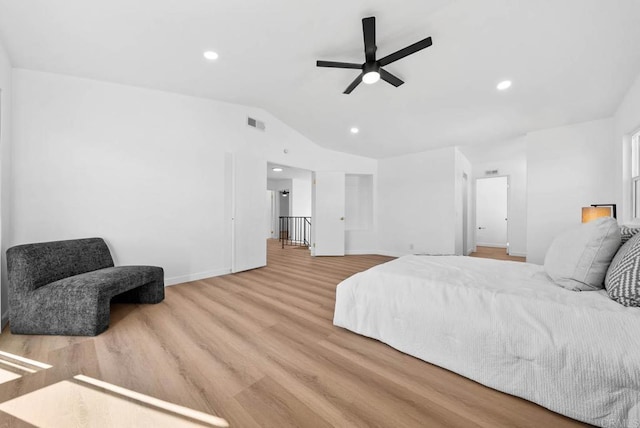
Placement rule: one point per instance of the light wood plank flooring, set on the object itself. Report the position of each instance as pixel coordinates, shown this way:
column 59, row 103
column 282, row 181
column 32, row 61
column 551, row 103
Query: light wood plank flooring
column 259, row 349
column 495, row 253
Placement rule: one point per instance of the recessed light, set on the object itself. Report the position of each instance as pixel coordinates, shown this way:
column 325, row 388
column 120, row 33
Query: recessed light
column 354, row 130
column 277, row 169
column 210, row 55
column 505, row 84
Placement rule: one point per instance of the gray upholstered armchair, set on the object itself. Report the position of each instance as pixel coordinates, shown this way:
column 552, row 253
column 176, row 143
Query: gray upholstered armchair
column 65, row 287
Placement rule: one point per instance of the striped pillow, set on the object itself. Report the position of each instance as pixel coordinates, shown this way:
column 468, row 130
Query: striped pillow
column 627, row 232
column 623, row 277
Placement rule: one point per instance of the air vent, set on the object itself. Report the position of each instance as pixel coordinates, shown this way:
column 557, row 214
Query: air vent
column 491, row 172
column 255, row 123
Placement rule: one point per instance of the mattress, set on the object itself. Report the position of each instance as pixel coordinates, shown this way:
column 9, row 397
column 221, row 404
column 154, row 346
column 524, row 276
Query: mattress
column 505, row 325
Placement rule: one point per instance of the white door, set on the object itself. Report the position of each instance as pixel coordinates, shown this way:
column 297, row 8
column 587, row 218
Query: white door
column 249, row 220
column 327, row 219
column 491, row 211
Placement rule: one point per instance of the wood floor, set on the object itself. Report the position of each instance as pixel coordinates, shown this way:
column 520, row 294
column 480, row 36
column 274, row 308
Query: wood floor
column 495, row 253
column 259, row 349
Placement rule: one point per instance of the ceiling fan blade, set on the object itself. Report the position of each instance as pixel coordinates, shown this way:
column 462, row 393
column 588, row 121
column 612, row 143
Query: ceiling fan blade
column 353, row 84
column 418, row 46
column 334, row 64
column 369, row 32
column 390, row 78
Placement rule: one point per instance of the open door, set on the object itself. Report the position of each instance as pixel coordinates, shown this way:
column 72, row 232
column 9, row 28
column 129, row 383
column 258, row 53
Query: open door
column 249, row 214
column 327, row 228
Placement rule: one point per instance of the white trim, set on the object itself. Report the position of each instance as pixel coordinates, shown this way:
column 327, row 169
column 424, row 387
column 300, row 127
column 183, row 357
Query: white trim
column 512, row 253
column 634, row 155
column 360, row 252
column 635, row 181
column 195, row 276
column 390, row 253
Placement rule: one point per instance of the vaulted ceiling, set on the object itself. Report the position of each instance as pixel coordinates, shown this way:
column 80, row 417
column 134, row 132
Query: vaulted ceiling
column 569, row 60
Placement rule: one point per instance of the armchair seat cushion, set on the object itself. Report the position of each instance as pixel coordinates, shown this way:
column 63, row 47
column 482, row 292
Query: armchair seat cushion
column 108, row 282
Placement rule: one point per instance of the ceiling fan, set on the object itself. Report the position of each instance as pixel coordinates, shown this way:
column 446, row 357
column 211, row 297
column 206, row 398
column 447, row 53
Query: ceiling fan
column 372, row 68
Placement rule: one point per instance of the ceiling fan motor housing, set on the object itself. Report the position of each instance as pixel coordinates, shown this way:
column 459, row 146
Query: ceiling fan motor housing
column 369, row 67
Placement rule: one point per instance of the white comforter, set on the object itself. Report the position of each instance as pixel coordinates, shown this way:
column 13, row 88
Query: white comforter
column 507, row 326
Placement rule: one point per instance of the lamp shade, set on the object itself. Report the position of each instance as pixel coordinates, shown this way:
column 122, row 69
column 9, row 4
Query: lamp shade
column 592, row 213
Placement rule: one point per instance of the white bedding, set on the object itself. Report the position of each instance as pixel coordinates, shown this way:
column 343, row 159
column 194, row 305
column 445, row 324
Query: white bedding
column 507, row 326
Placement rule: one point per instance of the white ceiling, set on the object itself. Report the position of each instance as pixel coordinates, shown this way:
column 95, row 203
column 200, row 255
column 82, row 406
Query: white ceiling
column 570, row 60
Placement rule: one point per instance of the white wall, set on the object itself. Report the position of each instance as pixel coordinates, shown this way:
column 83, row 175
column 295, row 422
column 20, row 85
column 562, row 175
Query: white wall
column 510, row 159
column 142, row 168
column 360, row 225
column 301, row 197
column 568, row 167
column 626, row 122
column 417, row 203
column 358, row 202
column 5, row 174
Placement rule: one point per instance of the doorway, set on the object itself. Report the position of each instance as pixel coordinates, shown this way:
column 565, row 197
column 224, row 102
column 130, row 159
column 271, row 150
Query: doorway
column 492, row 207
column 291, row 212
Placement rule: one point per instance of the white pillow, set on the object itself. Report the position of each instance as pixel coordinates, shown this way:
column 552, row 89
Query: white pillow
column 578, row 259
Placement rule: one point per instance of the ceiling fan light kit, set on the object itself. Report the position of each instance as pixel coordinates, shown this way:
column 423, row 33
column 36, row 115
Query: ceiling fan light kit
column 372, row 68
column 371, row 73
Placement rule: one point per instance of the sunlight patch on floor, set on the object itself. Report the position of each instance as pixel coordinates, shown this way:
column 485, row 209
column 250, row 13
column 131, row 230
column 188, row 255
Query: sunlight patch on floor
column 14, row 366
column 8, row 376
column 84, row 401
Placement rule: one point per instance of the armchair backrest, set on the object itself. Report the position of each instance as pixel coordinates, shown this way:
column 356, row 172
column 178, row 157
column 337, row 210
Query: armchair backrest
column 31, row 266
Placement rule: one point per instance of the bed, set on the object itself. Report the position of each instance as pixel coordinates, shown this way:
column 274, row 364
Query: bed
column 508, row 326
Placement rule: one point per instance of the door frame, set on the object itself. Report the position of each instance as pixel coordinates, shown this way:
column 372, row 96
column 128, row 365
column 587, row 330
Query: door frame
column 465, row 214
column 475, row 214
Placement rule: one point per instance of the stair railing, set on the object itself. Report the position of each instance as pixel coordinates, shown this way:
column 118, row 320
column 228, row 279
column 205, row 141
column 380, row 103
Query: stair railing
column 295, row 231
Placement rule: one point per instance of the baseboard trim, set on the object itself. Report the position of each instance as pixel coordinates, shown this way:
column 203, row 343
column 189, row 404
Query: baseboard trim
column 517, row 254
column 195, row 276
column 360, row 252
column 390, row 253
